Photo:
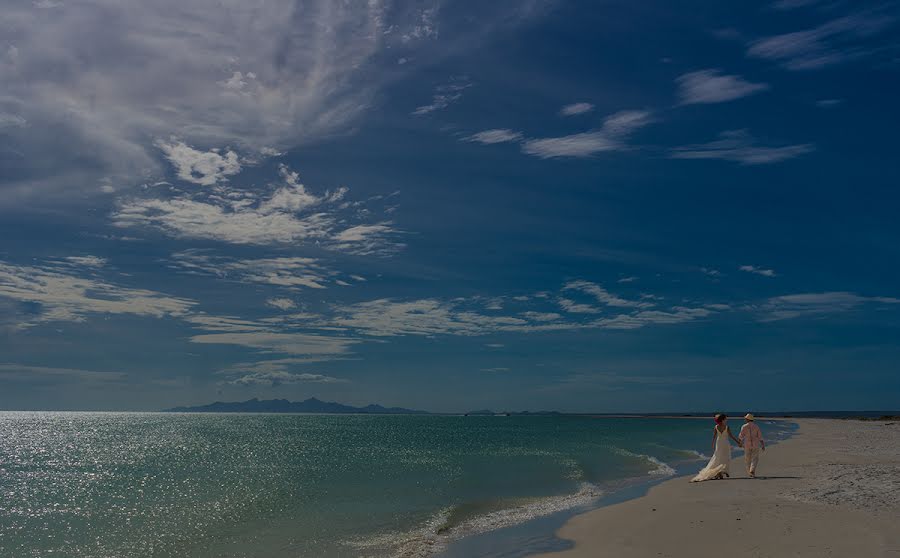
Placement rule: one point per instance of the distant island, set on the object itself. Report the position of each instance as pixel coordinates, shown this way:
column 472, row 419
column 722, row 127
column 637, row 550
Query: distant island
column 311, row 405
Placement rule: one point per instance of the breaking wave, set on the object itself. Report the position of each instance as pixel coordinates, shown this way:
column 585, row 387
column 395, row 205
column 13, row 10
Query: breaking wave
column 441, row 529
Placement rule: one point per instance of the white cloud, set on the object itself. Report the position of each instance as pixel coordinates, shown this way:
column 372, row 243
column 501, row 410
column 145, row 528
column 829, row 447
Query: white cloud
column 281, row 303
column 86, row 261
column 293, row 343
column 276, row 378
column 644, row 318
column 610, row 137
column 275, row 372
column 366, row 240
column 219, row 73
column 386, row 318
column 213, row 80
column 812, row 304
column 444, row 96
column 200, row 167
column 711, row 86
column 758, row 270
column 576, row 108
column 288, row 215
column 541, row 316
column 834, row 42
column 603, row 296
column 292, row 272
column 577, row 308
column 64, row 296
column 627, row 280
column 187, row 218
column 740, row 147
column 584, row 144
column 498, row 135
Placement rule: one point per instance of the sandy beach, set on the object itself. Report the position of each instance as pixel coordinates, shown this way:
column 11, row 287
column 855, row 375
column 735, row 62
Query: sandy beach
column 831, row 490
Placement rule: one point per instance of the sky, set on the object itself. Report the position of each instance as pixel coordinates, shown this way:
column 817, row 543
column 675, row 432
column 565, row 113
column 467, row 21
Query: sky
column 582, row 206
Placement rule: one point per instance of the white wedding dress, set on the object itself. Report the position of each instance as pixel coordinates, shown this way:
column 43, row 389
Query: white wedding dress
column 719, row 462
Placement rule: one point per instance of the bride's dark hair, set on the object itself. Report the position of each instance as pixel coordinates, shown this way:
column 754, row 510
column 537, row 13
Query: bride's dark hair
column 720, row 417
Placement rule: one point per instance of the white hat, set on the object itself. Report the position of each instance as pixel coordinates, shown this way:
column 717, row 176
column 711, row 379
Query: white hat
column 749, row 416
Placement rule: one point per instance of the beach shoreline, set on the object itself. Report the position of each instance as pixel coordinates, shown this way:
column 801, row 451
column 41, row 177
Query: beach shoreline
column 538, row 535
column 831, row 489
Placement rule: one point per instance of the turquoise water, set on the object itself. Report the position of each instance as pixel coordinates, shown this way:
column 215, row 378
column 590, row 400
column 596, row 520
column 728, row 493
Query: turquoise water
column 176, row 485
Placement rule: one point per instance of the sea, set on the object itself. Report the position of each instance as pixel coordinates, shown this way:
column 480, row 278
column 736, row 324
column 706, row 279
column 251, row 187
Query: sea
column 166, row 485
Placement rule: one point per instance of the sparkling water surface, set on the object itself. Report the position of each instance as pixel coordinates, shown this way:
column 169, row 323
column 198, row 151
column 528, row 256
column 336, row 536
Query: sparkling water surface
column 119, row 485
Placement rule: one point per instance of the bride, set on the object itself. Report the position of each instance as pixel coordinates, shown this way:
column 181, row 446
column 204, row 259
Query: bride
column 717, row 467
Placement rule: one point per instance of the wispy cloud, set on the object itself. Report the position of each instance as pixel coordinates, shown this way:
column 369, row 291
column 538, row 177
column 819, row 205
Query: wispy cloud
column 64, row 294
column 814, row 304
column 222, row 75
column 444, row 96
column 740, row 147
column 833, row 42
column 289, row 214
column 603, row 296
column 758, row 270
column 498, row 135
column 576, row 108
column 26, row 373
column 611, row 136
column 281, row 303
column 712, row 86
column 292, row 272
column 785, row 5
column 643, row 318
column 222, row 86
column 463, row 317
column 272, row 341
column 576, row 307
column 273, row 373
column 85, row 261
column 828, row 103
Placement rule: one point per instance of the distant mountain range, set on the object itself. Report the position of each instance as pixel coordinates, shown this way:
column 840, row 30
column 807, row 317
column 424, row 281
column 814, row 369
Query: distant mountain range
column 311, row 405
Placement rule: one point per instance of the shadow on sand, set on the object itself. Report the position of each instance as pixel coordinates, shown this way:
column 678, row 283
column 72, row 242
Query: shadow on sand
column 761, row 477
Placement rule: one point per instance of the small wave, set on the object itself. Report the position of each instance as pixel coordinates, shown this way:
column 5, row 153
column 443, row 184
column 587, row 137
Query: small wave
column 437, row 532
column 661, row 468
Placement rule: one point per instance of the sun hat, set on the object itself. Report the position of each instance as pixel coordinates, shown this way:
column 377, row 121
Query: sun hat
column 749, row 416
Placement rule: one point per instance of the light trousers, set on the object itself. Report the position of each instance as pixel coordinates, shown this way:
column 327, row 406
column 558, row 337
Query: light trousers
column 751, row 458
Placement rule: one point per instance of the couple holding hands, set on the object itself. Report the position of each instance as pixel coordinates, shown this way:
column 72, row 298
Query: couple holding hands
column 750, row 438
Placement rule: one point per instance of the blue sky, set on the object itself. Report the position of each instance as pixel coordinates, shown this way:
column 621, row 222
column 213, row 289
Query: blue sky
column 582, row 206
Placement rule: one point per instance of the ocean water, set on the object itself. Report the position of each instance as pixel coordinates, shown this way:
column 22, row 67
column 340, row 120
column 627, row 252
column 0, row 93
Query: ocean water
column 115, row 485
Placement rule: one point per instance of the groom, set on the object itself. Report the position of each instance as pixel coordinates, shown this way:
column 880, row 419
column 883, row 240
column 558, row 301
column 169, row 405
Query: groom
column 752, row 442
